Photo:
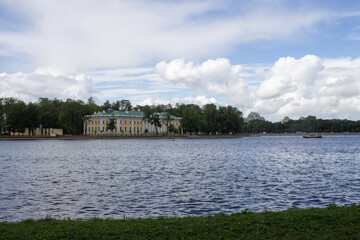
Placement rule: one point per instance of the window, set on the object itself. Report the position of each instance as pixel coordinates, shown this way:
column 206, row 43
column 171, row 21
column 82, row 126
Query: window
column 125, row 123
column 130, row 122
column 125, row 129
column 120, row 129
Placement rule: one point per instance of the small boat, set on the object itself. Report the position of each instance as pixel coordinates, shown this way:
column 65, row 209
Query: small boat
column 312, row 135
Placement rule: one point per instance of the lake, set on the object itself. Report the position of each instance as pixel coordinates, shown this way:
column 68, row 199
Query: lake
column 138, row 178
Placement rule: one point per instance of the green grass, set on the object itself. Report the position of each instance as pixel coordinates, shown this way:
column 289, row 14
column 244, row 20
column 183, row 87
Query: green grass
column 327, row 223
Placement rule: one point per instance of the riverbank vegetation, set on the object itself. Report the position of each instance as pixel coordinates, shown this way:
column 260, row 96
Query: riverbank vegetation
column 16, row 115
column 307, row 124
column 327, row 223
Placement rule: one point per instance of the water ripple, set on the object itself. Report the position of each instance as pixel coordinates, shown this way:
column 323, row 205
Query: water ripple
column 151, row 178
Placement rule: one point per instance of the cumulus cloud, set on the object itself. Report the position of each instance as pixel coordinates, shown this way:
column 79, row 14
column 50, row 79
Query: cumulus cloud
column 45, row 82
column 213, row 77
column 328, row 88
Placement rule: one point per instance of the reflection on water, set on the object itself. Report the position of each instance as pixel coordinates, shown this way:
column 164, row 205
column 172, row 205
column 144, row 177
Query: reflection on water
column 164, row 177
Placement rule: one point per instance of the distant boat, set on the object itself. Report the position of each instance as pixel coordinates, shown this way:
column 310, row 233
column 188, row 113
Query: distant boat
column 312, row 135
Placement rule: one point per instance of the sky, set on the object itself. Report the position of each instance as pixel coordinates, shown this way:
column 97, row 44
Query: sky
column 275, row 57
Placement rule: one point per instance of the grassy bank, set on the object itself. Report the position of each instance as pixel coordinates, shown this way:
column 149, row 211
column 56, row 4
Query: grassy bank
column 328, row 223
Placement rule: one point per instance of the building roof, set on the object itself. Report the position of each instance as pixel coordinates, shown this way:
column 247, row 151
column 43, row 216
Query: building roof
column 124, row 114
column 254, row 116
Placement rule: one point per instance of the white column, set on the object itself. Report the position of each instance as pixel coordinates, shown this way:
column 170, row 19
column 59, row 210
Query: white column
column 118, row 125
column 101, row 125
column 132, row 127
column 143, row 129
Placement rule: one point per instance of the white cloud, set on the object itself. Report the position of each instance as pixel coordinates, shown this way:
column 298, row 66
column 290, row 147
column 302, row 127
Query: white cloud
column 212, row 77
column 45, row 82
column 94, row 34
column 328, row 88
column 287, row 73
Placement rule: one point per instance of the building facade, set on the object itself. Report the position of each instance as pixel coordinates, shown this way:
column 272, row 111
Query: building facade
column 125, row 123
column 254, row 116
column 52, row 132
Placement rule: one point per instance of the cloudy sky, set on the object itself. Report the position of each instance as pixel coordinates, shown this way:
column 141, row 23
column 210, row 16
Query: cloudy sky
column 276, row 57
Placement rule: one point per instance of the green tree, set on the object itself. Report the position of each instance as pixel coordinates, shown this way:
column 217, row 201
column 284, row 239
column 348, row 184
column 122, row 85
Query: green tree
column 111, row 124
column 191, row 118
column 172, row 128
column 233, row 120
column 2, row 115
column 49, row 111
column 168, row 119
column 152, row 117
column 32, row 120
column 209, row 122
column 15, row 116
column 71, row 116
column 106, row 105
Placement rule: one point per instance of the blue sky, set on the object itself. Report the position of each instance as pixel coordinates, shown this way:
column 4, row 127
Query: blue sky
column 277, row 57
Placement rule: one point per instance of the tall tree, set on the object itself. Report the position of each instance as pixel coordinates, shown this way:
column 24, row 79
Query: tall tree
column 15, row 116
column 49, row 111
column 106, row 105
column 191, row 118
column 168, row 119
column 209, row 122
column 111, row 125
column 32, row 120
column 152, row 117
column 71, row 116
column 2, row 116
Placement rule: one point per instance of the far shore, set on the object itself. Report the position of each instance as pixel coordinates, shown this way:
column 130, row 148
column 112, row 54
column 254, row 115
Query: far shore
column 193, row 136
column 120, row 137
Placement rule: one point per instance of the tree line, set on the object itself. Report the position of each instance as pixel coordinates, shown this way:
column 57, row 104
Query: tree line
column 16, row 116
column 308, row 124
column 208, row 119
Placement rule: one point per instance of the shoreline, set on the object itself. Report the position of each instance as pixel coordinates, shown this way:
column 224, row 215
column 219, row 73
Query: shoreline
column 120, row 137
column 165, row 136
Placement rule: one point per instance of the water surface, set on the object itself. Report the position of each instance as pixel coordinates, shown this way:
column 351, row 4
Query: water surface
column 175, row 177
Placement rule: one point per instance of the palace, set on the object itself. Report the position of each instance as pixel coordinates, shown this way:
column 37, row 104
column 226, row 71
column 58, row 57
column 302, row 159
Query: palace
column 126, row 123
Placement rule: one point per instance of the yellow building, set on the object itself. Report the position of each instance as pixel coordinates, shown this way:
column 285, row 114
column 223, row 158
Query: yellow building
column 53, row 132
column 126, row 123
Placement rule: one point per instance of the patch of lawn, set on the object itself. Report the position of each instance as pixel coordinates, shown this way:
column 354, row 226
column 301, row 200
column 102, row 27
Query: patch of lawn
column 327, row 223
